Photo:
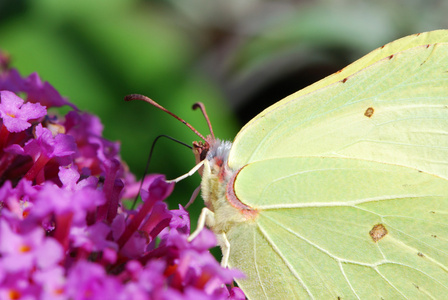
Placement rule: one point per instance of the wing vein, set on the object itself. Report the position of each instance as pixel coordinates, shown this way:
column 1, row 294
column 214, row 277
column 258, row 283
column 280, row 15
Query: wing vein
column 287, row 263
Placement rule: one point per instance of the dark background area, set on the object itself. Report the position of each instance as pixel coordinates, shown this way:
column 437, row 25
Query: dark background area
column 238, row 57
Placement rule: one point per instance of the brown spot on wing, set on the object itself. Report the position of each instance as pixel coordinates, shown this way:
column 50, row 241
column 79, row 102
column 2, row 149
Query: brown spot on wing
column 369, row 112
column 378, row 232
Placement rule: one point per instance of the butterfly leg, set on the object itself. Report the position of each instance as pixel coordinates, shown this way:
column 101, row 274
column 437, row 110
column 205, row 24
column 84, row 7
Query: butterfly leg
column 207, row 217
column 191, row 172
column 193, row 196
column 225, row 249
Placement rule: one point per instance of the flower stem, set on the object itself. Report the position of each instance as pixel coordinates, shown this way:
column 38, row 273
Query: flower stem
column 4, row 134
column 38, row 165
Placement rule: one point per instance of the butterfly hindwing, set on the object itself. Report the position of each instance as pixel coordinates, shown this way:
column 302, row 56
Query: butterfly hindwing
column 337, row 227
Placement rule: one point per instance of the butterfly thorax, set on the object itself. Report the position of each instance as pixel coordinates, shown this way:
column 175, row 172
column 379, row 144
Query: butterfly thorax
column 217, row 188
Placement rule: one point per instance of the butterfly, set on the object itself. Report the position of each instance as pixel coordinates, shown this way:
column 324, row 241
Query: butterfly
column 340, row 190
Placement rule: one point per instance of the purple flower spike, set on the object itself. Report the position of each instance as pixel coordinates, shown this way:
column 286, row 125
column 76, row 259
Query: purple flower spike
column 65, row 232
column 15, row 113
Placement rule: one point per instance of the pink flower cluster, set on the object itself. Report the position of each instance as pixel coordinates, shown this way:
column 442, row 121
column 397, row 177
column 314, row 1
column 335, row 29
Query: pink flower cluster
column 64, row 233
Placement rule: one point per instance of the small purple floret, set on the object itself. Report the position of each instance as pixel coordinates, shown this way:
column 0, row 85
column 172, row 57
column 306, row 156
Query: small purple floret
column 16, row 114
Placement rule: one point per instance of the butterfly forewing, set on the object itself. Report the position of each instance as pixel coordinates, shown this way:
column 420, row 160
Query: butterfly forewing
column 395, row 111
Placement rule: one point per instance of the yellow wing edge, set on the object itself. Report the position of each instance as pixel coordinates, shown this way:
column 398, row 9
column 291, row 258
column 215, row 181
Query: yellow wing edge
column 402, row 44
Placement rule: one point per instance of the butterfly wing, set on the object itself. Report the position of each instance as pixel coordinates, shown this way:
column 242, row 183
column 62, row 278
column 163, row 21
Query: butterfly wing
column 366, row 146
column 394, row 111
column 315, row 233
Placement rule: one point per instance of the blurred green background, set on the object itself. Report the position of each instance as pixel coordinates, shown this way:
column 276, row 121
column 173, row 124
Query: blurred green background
column 237, row 57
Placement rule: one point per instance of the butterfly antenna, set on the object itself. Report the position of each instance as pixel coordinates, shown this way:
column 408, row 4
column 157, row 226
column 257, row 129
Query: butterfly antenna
column 201, row 106
column 152, row 102
column 148, row 161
